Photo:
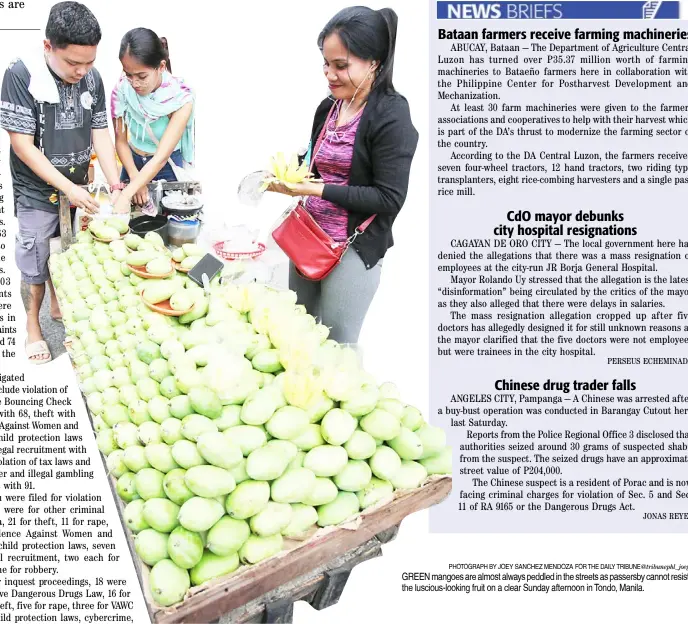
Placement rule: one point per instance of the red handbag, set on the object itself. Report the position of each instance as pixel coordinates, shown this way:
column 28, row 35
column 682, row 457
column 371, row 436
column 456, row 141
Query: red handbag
column 313, row 251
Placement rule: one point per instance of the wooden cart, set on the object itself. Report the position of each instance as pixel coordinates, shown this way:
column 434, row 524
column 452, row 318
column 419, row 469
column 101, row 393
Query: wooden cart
column 315, row 570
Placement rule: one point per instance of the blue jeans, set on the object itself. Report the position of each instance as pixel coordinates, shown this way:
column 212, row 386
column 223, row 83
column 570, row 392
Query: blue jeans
column 165, row 173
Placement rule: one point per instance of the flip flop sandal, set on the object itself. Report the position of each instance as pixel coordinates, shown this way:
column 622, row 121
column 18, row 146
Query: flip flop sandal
column 57, row 320
column 39, row 347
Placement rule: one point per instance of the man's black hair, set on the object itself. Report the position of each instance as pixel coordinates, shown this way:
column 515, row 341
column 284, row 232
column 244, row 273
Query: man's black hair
column 71, row 23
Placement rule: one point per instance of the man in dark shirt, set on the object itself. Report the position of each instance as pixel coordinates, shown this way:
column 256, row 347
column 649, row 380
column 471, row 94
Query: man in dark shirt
column 54, row 110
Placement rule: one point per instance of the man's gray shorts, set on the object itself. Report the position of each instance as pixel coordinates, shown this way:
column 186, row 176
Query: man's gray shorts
column 32, row 244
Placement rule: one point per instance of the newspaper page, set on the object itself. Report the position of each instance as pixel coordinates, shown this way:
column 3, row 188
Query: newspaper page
column 271, row 274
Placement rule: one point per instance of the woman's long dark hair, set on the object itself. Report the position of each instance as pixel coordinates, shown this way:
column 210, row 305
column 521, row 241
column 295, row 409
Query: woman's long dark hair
column 146, row 47
column 369, row 35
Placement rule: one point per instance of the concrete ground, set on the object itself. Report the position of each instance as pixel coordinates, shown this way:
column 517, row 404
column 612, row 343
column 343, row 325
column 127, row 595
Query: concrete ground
column 53, row 332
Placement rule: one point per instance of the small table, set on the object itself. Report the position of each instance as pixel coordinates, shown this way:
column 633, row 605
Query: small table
column 66, row 231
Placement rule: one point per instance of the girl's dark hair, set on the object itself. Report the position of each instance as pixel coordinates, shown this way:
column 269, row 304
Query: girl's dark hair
column 146, row 47
column 369, row 35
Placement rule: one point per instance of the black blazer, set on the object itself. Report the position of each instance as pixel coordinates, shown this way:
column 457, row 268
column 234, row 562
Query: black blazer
column 383, row 150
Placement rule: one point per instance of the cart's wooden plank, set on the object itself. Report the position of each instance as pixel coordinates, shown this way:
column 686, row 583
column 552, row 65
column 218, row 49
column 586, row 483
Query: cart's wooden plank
column 256, row 581
column 304, row 586
column 66, row 233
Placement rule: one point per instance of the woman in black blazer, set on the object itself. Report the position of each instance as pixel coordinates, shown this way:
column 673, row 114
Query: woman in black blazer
column 364, row 163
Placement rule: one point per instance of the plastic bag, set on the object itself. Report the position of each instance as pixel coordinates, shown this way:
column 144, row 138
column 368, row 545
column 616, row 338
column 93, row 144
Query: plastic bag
column 251, row 188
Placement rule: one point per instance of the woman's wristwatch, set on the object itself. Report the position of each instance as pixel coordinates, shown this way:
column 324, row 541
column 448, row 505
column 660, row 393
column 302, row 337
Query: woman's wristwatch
column 120, row 186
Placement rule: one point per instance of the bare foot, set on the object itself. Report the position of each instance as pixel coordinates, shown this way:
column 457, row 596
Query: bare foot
column 35, row 335
column 55, row 312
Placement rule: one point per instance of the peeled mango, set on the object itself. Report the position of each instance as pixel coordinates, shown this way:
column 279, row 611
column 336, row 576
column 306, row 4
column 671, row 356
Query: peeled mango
column 181, row 301
column 360, row 445
column 199, row 310
column 191, row 249
column 407, row 445
column 212, row 566
column 228, row 536
column 324, row 491
column 287, row 423
column 412, row 418
column 259, row 407
column 154, row 239
column 168, row 583
column 132, row 241
column 319, row 407
column 140, row 258
column 310, row 438
column 433, row 440
column 160, row 290
column 388, row 390
column 249, row 498
column 267, row 361
column 200, row 514
column 374, row 492
column 248, row 438
column 293, row 486
column 385, row 463
column 239, row 472
column 266, row 464
column 354, row 477
column 190, row 262
column 303, row 517
column 381, row 425
column 409, row 476
column 338, row 426
column 159, row 266
column 185, row 547
column 257, row 549
column 118, row 224
column 437, row 464
column 271, row 520
column 230, row 417
column 287, row 448
column 362, row 402
column 341, row 508
column 209, row 481
column 326, row 461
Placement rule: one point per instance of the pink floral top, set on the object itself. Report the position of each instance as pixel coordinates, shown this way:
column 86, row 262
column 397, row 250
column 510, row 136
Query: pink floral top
column 333, row 162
